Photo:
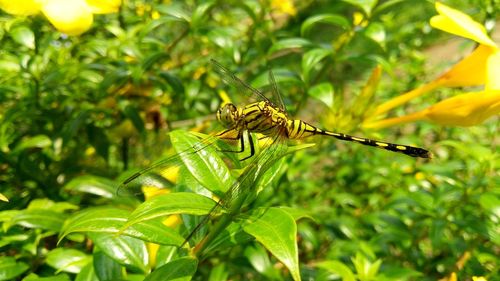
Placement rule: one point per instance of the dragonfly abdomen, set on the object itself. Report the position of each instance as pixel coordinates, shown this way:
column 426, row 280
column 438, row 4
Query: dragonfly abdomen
column 298, row 129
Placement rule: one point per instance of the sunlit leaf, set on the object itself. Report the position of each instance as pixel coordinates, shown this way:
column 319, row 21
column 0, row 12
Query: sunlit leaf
column 24, row 36
column 206, row 166
column 277, row 232
column 68, row 260
column 127, row 251
column 112, row 220
column 170, row 204
column 323, row 92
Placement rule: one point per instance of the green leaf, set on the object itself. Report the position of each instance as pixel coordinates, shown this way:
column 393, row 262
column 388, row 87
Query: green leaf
column 68, row 260
column 170, row 204
column 332, row 19
column 87, row 273
column 59, row 277
column 365, row 5
column 365, row 269
column 277, row 232
column 311, row 60
column 112, row 220
column 9, row 268
column 24, row 36
column 208, row 167
column 376, row 32
column 281, row 75
column 297, row 213
column 259, row 259
column 490, row 202
column 173, row 81
column 127, row 251
column 323, row 92
column 94, row 185
column 338, row 268
column 106, row 268
column 71, row 127
column 176, row 11
column 176, row 270
column 289, row 44
column 43, row 219
column 38, row 141
column 200, row 13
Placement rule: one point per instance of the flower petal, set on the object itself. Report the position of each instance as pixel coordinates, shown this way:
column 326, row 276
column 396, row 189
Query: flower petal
column 104, row 6
column 462, row 110
column 466, row 109
column 493, row 71
column 72, row 17
column 20, row 7
column 455, row 22
column 470, row 71
column 404, row 98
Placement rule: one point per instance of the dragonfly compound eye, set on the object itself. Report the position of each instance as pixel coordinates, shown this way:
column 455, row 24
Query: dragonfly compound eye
column 227, row 114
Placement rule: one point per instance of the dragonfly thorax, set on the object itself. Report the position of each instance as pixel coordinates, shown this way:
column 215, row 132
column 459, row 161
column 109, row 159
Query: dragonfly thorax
column 228, row 114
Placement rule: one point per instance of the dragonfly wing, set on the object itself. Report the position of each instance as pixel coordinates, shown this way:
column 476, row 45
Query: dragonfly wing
column 245, row 185
column 157, row 175
column 275, row 91
column 231, row 79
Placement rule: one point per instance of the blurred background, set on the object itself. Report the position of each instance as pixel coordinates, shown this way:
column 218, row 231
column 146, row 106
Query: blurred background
column 83, row 105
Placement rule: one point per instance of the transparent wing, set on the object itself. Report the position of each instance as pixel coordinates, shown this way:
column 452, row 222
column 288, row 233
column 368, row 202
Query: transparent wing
column 231, row 79
column 244, row 187
column 276, row 93
column 158, row 174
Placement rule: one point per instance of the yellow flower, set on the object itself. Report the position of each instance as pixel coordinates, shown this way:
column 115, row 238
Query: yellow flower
column 284, row 7
column 479, row 278
column 72, row 17
column 481, row 67
column 462, row 110
column 20, row 7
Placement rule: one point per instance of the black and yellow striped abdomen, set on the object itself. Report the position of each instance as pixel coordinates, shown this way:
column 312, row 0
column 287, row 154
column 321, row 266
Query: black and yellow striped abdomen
column 298, row 129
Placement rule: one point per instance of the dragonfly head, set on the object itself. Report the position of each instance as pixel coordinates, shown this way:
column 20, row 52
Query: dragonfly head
column 227, row 114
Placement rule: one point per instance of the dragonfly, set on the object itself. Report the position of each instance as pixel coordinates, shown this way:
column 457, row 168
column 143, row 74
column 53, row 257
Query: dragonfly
column 268, row 118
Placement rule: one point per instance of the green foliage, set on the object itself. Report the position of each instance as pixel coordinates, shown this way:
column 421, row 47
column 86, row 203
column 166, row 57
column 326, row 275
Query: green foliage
column 78, row 115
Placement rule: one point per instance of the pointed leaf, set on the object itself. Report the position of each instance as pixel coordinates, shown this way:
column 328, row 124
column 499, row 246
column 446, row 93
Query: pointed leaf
column 332, row 19
column 277, row 232
column 323, row 92
column 127, row 251
column 68, row 260
column 311, row 60
column 170, row 204
column 289, row 44
column 206, row 165
column 111, row 220
column 43, row 219
column 339, row 268
column 24, row 36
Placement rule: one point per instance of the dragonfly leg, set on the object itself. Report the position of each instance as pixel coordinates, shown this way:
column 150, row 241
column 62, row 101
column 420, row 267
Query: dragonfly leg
column 225, row 136
column 252, row 148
